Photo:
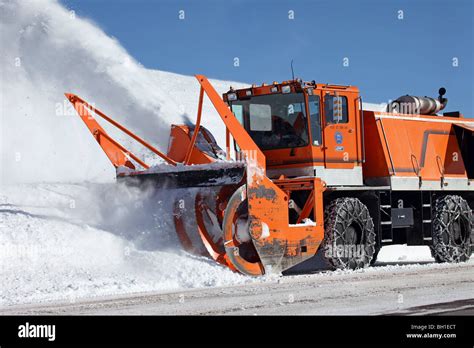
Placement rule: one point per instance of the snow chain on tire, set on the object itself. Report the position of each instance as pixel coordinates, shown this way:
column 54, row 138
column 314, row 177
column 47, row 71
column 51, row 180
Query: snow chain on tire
column 339, row 215
column 452, row 228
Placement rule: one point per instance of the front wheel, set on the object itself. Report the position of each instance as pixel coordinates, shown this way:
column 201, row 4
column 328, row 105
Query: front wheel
column 349, row 237
column 452, row 226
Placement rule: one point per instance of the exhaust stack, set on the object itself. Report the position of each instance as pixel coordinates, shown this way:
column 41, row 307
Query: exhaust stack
column 408, row 104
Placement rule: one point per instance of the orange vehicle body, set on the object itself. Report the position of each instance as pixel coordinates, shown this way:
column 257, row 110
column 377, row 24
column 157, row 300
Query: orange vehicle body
column 421, row 152
column 352, row 150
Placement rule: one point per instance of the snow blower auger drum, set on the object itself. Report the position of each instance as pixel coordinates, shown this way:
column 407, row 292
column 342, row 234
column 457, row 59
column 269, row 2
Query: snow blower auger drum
column 299, row 149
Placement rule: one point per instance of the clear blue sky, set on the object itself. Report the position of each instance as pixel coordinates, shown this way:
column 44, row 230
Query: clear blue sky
column 388, row 57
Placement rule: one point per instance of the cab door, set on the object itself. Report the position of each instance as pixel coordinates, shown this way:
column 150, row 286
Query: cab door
column 340, row 138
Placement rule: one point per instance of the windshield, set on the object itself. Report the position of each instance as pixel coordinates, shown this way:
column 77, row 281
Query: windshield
column 274, row 121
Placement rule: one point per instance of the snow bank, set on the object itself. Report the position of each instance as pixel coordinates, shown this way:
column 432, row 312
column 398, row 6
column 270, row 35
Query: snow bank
column 47, row 51
column 63, row 242
column 403, row 253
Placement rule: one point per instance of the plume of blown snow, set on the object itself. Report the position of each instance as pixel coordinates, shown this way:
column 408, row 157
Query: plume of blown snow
column 46, row 52
column 84, row 239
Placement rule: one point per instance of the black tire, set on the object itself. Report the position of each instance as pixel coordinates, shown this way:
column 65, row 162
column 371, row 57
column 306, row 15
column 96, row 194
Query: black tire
column 452, row 227
column 349, row 237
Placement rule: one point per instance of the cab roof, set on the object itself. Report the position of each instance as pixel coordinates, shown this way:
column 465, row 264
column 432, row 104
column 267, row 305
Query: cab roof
column 294, row 86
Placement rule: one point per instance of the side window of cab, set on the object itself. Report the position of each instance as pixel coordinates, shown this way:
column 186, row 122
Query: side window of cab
column 315, row 120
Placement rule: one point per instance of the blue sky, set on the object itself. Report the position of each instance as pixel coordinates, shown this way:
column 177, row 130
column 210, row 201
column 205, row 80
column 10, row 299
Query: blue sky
column 388, row 56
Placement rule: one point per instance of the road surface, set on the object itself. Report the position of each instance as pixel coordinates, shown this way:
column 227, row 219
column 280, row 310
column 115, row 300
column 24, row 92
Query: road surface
column 387, row 289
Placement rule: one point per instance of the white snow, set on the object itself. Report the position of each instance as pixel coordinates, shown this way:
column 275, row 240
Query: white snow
column 401, row 253
column 63, row 242
column 305, row 222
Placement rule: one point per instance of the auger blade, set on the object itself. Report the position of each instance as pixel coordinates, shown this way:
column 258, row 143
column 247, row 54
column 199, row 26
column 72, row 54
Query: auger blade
column 202, row 177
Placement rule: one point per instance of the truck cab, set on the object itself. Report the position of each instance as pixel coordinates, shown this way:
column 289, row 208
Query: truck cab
column 304, row 129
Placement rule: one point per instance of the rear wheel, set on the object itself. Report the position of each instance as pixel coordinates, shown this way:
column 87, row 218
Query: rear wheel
column 349, row 237
column 452, row 226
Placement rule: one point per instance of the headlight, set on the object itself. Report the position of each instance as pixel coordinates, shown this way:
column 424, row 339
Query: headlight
column 231, row 96
column 285, row 89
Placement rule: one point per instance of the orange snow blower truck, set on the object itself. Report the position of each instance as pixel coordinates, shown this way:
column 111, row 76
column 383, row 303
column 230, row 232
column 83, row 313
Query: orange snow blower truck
column 311, row 174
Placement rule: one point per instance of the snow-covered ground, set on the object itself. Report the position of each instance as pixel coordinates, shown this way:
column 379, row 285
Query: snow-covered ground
column 67, row 231
column 62, row 241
